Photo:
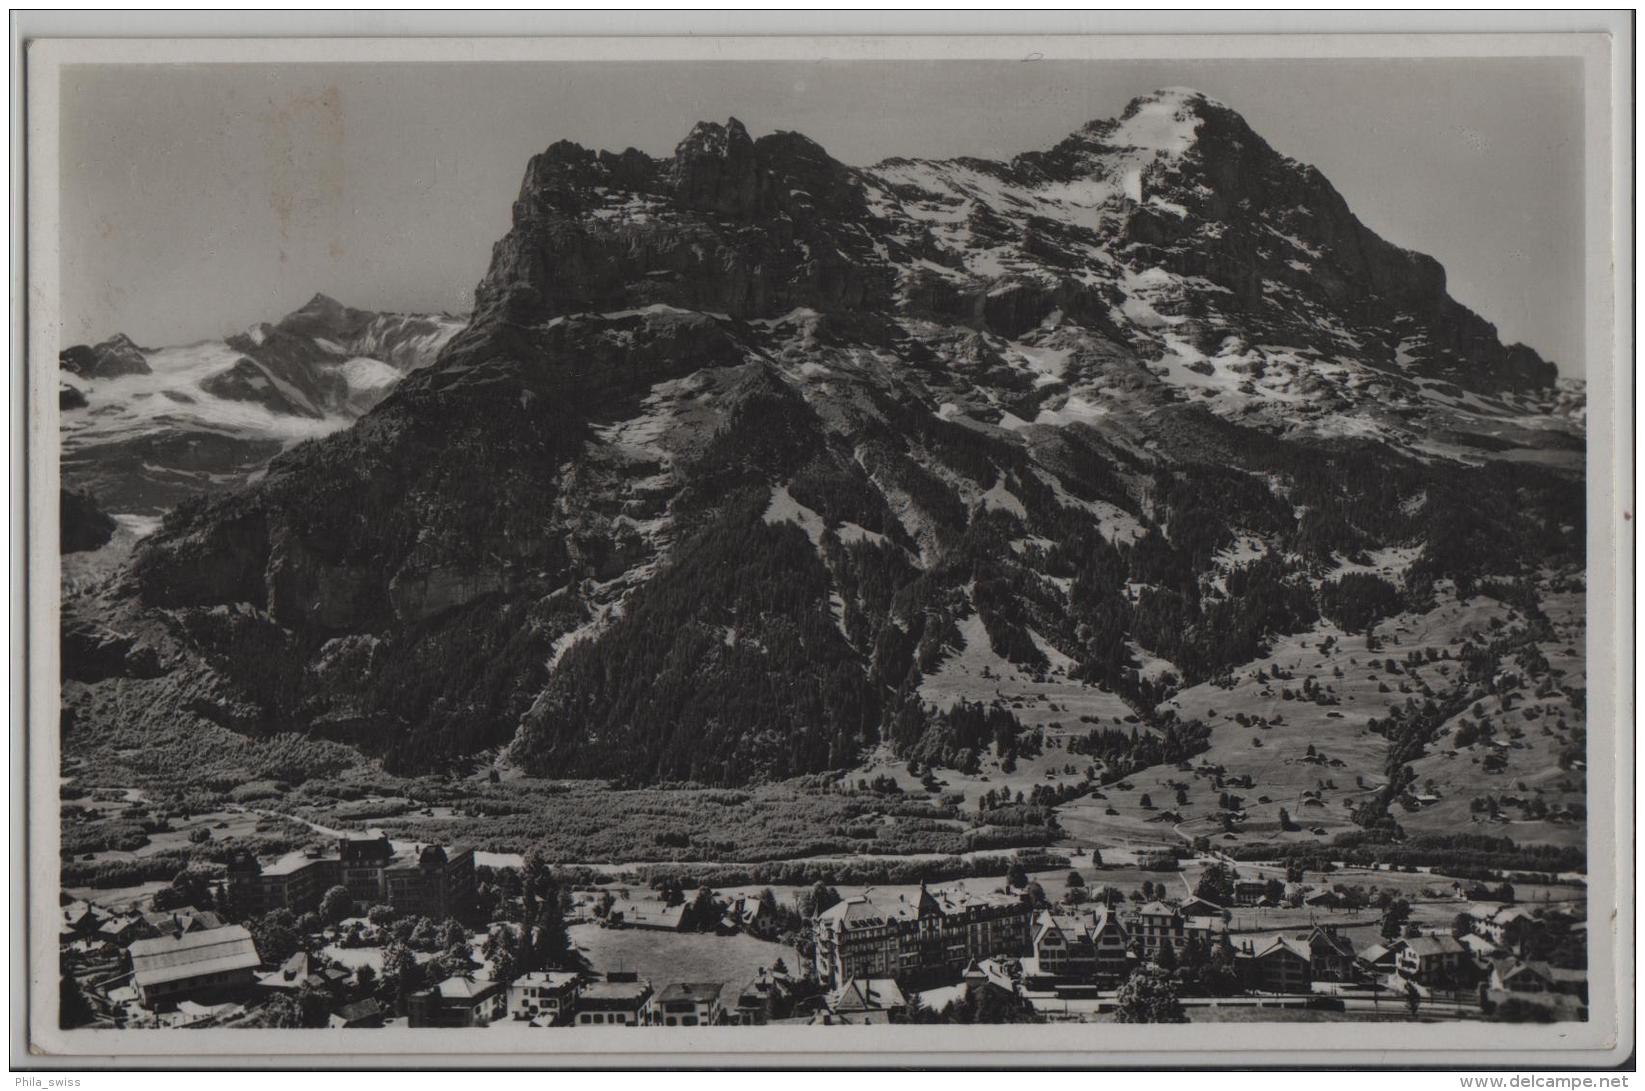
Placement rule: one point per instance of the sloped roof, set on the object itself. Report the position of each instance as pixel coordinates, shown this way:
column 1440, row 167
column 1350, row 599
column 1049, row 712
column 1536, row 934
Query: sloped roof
column 466, row 988
column 698, row 992
column 866, row 994
column 1072, row 926
column 637, row 913
column 1480, row 945
column 1423, row 946
column 1334, row 940
column 631, row 992
column 1512, row 913
column 1382, row 950
column 1285, row 943
column 855, row 912
column 216, row 950
column 1103, row 919
column 1535, row 969
column 368, row 1008
column 551, row 979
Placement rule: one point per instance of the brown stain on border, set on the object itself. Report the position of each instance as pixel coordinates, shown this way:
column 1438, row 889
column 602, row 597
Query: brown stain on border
column 305, row 145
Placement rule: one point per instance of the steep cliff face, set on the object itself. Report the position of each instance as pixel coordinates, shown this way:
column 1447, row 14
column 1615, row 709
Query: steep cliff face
column 742, row 446
column 82, row 524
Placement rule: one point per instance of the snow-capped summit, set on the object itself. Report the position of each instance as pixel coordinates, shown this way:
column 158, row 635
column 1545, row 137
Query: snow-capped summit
column 1165, row 121
column 144, row 428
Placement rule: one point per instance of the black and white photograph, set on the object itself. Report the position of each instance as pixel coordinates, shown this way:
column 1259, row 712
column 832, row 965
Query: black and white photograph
column 1020, row 545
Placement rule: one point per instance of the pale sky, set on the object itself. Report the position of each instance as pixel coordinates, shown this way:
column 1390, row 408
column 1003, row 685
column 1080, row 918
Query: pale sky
column 197, row 200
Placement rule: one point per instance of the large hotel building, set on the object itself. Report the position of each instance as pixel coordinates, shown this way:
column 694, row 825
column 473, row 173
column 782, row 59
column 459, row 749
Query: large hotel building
column 936, row 933
column 426, row 879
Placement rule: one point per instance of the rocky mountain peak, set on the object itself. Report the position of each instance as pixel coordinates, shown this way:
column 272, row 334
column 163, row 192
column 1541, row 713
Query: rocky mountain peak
column 716, row 171
column 744, row 448
column 713, row 139
column 323, row 316
column 110, row 359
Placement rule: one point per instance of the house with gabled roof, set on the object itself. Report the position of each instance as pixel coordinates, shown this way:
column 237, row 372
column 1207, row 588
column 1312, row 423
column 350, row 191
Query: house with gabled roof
column 126, row 929
column 866, row 1000
column 1156, row 924
column 1063, row 945
column 755, row 1002
column 1323, row 899
column 1331, row 954
column 217, row 961
column 1284, row 966
column 1196, row 907
column 458, row 1002
column 359, row 1014
column 1509, row 922
column 686, row 1004
column 622, row 999
column 82, row 918
column 543, row 998
column 1511, row 975
column 1381, row 957
column 1431, row 959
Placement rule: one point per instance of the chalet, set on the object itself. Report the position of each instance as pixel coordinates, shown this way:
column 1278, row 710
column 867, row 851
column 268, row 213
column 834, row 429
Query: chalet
column 1511, row 975
column 358, row 1015
column 746, row 913
column 1323, row 899
column 543, row 998
column 1249, row 892
column 1156, row 924
column 686, row 1004
column 1199, row 907
column 1063, row 945
column 991, row 973
column 1157, row 860
column 756, row 1001
column 81, row 919
column 218, row 961
column 126, row 930
column 620, row 1000
column 1431, row 959
column 866, row 1000
column 1382, row 958
column 1284, row 966
column 458, row 1002
column 1505, row 925
column 1331, row 954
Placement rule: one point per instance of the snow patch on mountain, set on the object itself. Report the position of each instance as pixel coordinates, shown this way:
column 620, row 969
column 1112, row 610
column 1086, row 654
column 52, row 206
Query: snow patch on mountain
column 783, row 508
